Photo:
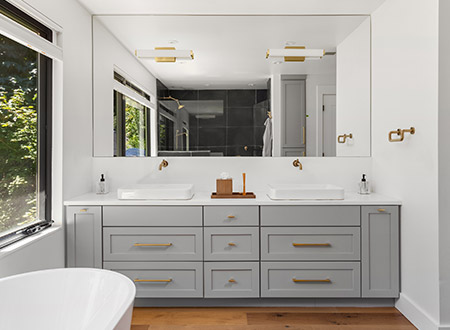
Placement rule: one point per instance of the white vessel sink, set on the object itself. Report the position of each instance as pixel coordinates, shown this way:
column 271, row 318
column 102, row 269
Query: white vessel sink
column 156, row 191
column 305, row 191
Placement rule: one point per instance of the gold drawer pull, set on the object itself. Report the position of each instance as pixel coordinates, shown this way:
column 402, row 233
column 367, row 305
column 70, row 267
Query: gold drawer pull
column 311, row 244
column 231, row 217
column 381, row 210
column 232, row 244
column 232, row 280
column 157, row 281
column 143, row 244
column 311, row 281
column 83, row 210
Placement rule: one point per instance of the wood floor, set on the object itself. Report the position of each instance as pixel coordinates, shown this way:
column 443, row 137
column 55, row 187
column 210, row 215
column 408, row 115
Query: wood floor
column 304, row 318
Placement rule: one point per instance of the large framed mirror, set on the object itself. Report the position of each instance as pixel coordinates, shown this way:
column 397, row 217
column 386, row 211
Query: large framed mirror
column 228, row 86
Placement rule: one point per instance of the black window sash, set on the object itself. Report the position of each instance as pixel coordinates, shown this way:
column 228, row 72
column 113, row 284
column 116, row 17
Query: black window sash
column 44, row 113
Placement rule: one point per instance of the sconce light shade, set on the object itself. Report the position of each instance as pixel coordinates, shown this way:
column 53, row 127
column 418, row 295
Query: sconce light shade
column 295, row 54
column 165, row 54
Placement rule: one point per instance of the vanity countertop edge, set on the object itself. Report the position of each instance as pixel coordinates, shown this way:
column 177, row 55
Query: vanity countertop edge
column 203, row 198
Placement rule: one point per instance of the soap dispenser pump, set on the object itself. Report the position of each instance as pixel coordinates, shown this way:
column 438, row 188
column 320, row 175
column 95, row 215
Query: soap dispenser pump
column 101, row 186
column 364, row 188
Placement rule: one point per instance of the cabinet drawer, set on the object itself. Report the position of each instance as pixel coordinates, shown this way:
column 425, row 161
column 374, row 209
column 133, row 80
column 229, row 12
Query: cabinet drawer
column 310, row 243
column 310, row 279
column 231, row 215
column 239, row 243
column 162, row 279
column 152, row 244
column 310, row 216
column 231, row 279
column 160, row 216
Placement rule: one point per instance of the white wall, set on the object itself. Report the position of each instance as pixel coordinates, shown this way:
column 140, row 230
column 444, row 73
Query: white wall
column 353, row 92
column 405, row 93
column 203, row 171
column 72, row 158
column 109, row 53
column 40, row 251
column 444, row 161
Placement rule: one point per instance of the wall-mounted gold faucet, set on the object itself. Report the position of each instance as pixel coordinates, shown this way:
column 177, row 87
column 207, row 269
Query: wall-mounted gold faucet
column 164, row 163
column 296, row 163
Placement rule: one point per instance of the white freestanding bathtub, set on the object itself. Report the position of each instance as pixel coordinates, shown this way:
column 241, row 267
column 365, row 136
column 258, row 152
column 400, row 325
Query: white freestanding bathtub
column 66, row 299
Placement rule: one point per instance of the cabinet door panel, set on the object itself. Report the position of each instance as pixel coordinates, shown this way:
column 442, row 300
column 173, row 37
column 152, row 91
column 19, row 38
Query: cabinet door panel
column 84, row 236
column 380, row 251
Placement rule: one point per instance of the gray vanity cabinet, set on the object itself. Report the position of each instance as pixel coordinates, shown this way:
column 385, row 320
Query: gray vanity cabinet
column 84, row 236
column 242, row 251
column 380, row 251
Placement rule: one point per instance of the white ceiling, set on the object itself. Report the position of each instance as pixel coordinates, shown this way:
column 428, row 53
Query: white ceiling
column 230, row 50
column 234, row 7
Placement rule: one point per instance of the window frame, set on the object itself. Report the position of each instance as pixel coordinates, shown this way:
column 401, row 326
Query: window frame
column 119, row 112
column 44, row 127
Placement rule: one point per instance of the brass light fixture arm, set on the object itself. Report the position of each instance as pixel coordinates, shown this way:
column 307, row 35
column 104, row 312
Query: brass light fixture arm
column 401, row 134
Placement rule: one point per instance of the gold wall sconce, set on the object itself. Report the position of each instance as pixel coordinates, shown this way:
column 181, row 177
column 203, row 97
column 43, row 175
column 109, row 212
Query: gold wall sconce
column 295, row 54
column 343, row 138
column 400, row 134
column 165, row 54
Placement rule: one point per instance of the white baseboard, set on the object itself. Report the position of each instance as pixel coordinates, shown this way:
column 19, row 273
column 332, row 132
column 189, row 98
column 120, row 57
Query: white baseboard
column 416, row 315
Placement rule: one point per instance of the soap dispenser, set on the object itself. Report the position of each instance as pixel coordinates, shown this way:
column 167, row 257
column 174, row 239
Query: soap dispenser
column 101, row 186
column 364, row 187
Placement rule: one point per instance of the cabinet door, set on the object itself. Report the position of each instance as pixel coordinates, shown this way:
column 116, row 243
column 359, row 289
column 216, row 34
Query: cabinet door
column 380, row 251
column 84, row 236
column 293, row 113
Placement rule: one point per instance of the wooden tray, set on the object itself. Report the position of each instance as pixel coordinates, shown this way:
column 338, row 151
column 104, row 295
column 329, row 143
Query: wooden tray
column 234, row 195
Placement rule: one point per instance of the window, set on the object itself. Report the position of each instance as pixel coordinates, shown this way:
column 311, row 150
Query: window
column 25, row 133
column 131, row 127
column 166, row 133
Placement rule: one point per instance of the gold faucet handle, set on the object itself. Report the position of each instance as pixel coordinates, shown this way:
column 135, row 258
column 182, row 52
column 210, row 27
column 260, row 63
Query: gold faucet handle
column 164, row 163
column 296, row 163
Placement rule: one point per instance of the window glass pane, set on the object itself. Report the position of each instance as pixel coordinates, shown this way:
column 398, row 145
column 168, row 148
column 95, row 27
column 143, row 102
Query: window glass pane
column 166, row 133
column 131, row 127
column 18, row 135
column 135, row 128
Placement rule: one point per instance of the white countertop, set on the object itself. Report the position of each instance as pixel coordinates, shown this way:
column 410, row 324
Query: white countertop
column 204, row 198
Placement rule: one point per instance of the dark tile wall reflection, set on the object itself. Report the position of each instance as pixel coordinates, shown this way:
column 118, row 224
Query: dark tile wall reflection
column 238, row 131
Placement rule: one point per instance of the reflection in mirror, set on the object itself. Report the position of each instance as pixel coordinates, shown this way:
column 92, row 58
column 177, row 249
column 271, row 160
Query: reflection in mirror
column 208, row 122
column 131, row 127
column 210, row 92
